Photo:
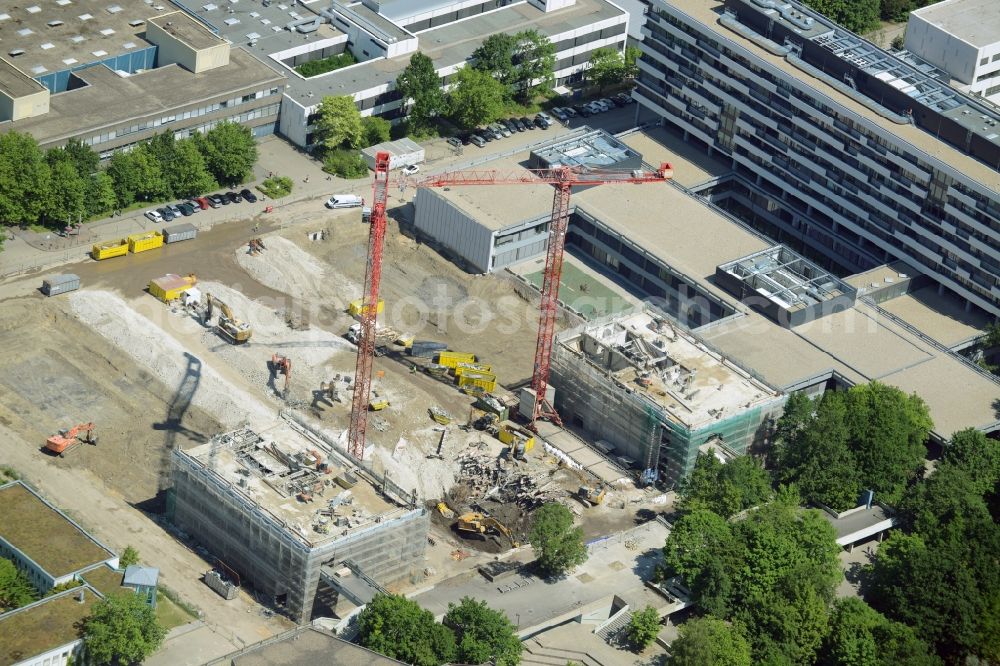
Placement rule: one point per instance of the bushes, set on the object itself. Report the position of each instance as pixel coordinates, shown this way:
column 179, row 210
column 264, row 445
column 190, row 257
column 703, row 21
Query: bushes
column 276, row 187
column 317, row 67
column 345, row 164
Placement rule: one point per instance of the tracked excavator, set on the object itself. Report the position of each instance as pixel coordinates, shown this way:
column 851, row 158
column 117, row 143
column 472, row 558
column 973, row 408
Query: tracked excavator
column 281, row 365
column 478, row 523
column 236, row 331
column 62, row 443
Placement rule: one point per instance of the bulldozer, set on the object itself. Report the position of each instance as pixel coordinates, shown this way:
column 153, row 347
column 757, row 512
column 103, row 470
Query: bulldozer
column 236, row 331
column 478, row 523
column 66, row 440
column 281, row 365
column 591, row 496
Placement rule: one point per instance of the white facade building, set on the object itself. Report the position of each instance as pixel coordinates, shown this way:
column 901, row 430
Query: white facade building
column 962, row 37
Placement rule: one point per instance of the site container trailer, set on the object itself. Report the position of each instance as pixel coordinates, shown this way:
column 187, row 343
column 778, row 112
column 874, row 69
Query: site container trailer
column 171, row 286
column 425, row 348
column 60, row 284
column 472, row 367
column 110, row 249
column 485, row 381
column 510, row 432
column 354, row 309
column 452, row 359
column 149, row 240
column 179, row 232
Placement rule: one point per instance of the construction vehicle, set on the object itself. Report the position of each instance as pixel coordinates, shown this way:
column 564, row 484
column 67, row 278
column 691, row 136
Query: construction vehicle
column 236, row 331
column 328, row 391
column 591, row 496
column 478, row 523
column 520, row 440
column 281, row 365
column 439, row 415
column 445, row 511
column 378, row 401
column 61, row 443
column 563, row 178
column 383, row 335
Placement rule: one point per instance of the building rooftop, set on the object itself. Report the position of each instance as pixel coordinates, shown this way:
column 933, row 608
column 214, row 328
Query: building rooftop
column 377, row 25
column 140, row 576
column 860, row 524
column 61, row 36
column 938, row 316
column 974, row 21
column 278, row 472
column 104, row 579
column 597, row 149
column 44, row 625
column 691, row 165
column 45, row 534
column 707, row 12
column 690, row 383
column 16, row 83
column 307, row 646
column 140, row 95
column 188, row 30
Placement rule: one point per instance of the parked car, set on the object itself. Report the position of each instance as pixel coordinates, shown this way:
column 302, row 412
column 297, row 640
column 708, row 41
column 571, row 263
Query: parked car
column 174, row 209
column 166, row 214
column 248, row 196
column 527, row 122
column 596, row 107
column 559, row 113
column 454, row 141
column 154, row 216
column 569, row 111
column 541, row 123
column 410, row 169
column 544, row 116
column 583, row 110
column 518, row 125
column 221, row 198
column 233, row 197
column 501, row 130
column 622, row 99
column 607, row 102
column 198, row 203
column 477, row 140
column 214, row 200
column 186, row 209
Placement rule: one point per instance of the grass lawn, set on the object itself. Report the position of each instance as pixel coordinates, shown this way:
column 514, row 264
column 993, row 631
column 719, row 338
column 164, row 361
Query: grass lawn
column 170, row 614
column 584, row 293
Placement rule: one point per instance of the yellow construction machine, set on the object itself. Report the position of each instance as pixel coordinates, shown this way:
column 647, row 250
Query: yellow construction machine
column 235, row 330
column 591, row 496
column 481, row 524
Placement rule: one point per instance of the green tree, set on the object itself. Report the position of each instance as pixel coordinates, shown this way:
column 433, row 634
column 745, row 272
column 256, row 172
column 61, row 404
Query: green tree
column 977, row 455
column 888, row 434
column 338, row 123
column 643, row 627
column 83, row 157
column 345, row 164
column 557, row 543
column 15, row 588
column 702, row 550
column 814, row 454
column 709, row 641
column 797, row 414
column 861, row 636
column 726, row 488
column 24, row 179
column 400, row 629
column 534, row 64
column 100, row 194
column 476, row 98
column 495, row 56
column 187, row 173
column 945, row 506
column 128, row 557
column 66, row 199
column 376, row 130
column 632, row 54
column 122, row 629
column 136, row 176
column 230, row 152
column 858, row 16
column 420, row 83
column 607, row 67
column 483, row 634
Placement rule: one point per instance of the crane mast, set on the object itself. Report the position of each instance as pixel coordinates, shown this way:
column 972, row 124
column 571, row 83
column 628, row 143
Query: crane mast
column 369, row 309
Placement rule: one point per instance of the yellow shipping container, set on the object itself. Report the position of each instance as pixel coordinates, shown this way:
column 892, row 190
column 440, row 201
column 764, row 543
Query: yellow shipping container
column 146, row 241
column 510, row 432
column 110, row 249
column 472, row 367
column 354, row 309
column 170, row 286
column 452, row 359
column 483, row 380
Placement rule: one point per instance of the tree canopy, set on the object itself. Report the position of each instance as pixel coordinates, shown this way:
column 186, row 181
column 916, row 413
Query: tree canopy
column 643, row 627
column 858, row 16
column 709, row 641
column 482, row 634
column 495, row 56
column 15, row 588
column 122, row 629
column 137, row 176
column 128, row 557
column 861, row 636
column 607, row 67
column 558, row 545
column 534, row 64
column 375, row 130
column 726, row 488
column 338, row 123
column 476, row 98
column 25, row 176
column 421, row 83
column 230, row 152
column 399, row 628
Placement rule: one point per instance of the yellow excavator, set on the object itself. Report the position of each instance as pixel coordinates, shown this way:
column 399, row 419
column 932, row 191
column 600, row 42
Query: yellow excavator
column 481, row 524
column 235, row 330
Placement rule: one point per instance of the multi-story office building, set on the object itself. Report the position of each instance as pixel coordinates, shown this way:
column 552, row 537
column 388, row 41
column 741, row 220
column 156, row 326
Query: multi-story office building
column 836, row 147
column 115, row 76
column 962, row 37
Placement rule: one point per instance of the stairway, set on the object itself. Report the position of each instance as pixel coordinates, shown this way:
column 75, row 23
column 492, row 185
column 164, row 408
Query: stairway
column 536, row 654
column 610, row 632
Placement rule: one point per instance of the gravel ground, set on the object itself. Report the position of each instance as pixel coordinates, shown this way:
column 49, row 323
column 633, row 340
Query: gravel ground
column 287, row 268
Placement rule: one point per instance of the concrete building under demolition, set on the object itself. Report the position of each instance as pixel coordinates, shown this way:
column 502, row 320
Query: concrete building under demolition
column 289, row 516
column 654, row 396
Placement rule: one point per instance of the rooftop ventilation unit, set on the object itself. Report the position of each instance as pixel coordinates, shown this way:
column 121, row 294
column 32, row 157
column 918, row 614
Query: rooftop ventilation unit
column 24, row 32
column 99, row 53
column 135, row 23
column 63, row 3
column 107, row 32
column 4, row 17
column 54, row 23
column 114, row 9
column 86, row 17
column 38, row 69
column 76, row 39
column 48, row 45
column 128, row 45
column 13, row 53
column 70, row 61
column 34, row 9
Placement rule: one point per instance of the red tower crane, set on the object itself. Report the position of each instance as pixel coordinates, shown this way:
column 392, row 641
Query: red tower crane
column 563, row 178
column 369, row 309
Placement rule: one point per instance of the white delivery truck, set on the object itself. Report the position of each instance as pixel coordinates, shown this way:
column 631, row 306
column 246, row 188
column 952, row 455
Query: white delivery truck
column 345, row 201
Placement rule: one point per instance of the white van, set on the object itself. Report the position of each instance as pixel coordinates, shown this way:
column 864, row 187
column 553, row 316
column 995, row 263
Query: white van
column 345, row 201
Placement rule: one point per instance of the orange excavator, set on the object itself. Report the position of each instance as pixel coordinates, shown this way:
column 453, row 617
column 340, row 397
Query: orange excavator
column 61, row 443
column 281, row 365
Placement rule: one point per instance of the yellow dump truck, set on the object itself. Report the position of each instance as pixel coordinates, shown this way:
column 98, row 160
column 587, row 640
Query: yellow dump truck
column 512, row 434
column 354, row 308
column 118, row 248
column 450, row 359
column 170, row 286
column 483, row 381
column 149, row 240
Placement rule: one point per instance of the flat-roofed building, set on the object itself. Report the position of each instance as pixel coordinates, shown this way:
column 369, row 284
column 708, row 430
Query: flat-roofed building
column 845, row 151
